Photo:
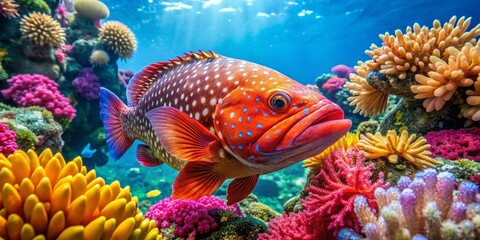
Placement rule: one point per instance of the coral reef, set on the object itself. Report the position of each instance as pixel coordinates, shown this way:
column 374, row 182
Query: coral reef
column 35, row 128
column 187, row 217
column 425, row 208
column 343, row 71
column 246, row 228
column 294, row 226
column 455, row 144
column 8, row 144
column 42, row 30
column 437, row 64
column 333, row 84
column 36, row 90
column 87, row 84
column 118, row 38
column 44, row 196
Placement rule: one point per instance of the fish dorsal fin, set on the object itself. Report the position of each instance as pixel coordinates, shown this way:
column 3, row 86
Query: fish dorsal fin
column 151, row 73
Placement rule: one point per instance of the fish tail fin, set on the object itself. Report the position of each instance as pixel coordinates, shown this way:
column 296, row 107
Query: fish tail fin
column 111, row 109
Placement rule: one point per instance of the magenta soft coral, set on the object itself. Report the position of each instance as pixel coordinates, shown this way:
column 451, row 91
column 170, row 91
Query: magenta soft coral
column 331, row 196
column 8, row 145
column 292, row 226
column 455, row 144
column 87, row 84
column 189, row 216
column 37, row 90
column 333, row 84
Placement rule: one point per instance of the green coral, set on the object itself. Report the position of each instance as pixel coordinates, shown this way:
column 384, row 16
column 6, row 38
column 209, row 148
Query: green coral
column 26, row 139
column 260, row 211
column 27, row 6
column 246, row 228
column 463, row 169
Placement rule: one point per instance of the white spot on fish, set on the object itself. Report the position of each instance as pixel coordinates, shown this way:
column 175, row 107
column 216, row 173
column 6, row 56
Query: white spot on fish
column 202, row 100
column 232, row 114
column 205, row 112
column 194, row 103
column 197, row 115
column 213, row 101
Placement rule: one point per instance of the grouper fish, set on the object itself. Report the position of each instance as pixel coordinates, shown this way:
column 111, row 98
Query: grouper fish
column 213, row 118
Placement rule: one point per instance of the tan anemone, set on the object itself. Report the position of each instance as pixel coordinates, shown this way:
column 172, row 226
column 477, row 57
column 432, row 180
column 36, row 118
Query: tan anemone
column 42, row 30
column 45, row 197
column 446, row 76
column 118, row 38
column 393, row 146
column 368, row 101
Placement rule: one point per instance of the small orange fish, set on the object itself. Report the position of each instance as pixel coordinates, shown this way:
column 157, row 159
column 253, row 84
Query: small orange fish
column 214, row 118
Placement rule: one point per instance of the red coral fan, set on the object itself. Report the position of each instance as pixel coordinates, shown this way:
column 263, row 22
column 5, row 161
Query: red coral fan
column 343, row 71
column 189, row 216
column 333, row 84
column 455, row 144
column 8, row 145
column 37, row 90
column 331, row 196
column 292, row 226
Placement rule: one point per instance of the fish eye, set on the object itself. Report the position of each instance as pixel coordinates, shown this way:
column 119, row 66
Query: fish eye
column 279, row 102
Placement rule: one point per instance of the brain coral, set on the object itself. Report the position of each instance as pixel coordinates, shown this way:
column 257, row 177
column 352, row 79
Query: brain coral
column 42, row 30
column 118, row 38
column 8, row 8
column 44, row 197
column 91, row 9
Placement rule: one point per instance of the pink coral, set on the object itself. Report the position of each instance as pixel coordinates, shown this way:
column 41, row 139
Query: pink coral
column 330, row 200
column 87, row 84
column 37, row 90
column 343, row 71
column 189, row 216
column 292, row 226
column 455, row 144
column 8, row 145
column 333, row 84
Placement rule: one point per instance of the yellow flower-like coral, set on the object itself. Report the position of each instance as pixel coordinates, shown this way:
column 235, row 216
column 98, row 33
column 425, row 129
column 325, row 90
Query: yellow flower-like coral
column 446, row 76
column 44, row 197
column 392, row 146
column 315, row 163
column 367, row 100
column 118, row 38
column 42, row 30
column 411, row 51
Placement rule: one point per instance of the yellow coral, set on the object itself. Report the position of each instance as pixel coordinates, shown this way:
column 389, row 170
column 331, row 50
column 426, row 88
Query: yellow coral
column 472, row 108
column 447, row 76
column 42, row 30
column 411, row 51
column 393, row 146
column 315, row 163
column 118, row 38
column 368, row 100
column 44, row 197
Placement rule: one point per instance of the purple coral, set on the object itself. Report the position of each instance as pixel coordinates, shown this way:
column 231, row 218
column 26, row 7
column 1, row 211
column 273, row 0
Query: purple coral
column 37, row 90
column 87, row 84
column 189, row 216
column 8, row 145
column 455, row 144
column 427, row 208
column 343, row 71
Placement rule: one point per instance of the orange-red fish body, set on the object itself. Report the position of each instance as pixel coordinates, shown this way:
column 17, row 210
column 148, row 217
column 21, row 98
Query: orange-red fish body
column 213, row 118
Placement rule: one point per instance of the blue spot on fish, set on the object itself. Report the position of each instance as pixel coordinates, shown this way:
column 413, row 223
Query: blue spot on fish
column 295, row 108
column 245, row 110
column 265, row 114
column 232, row 146
column 256, row 110
column 240, row 119
column 233, row 125
column 257, row 99
column 240, row 146
column 305, row 111
column 240, row 134
column 229, row 136
column 248, row 119
column 249, row 133
column 251, row 157
column 277, row 132
column 259, row 125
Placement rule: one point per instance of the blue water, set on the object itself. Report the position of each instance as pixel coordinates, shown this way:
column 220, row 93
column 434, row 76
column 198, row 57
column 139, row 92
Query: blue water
column 301, row 39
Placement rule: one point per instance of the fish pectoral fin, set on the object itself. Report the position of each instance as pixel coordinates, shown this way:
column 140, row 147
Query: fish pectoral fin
column 195, row 180
column 240, row 188
column 145, row 156
column 182, row 136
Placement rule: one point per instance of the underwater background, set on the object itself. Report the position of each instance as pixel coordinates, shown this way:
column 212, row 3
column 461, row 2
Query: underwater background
column 403, row 142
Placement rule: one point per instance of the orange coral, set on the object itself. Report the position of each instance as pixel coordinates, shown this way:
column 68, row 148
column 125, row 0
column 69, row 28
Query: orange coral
column 472, row 109
column 43, row 197
column 446, row 76
column 411, row 51
column 8, row 8
column 393, row 146
column 368, row 100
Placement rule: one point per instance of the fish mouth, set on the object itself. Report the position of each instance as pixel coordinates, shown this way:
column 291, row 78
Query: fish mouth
column 303, row 135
